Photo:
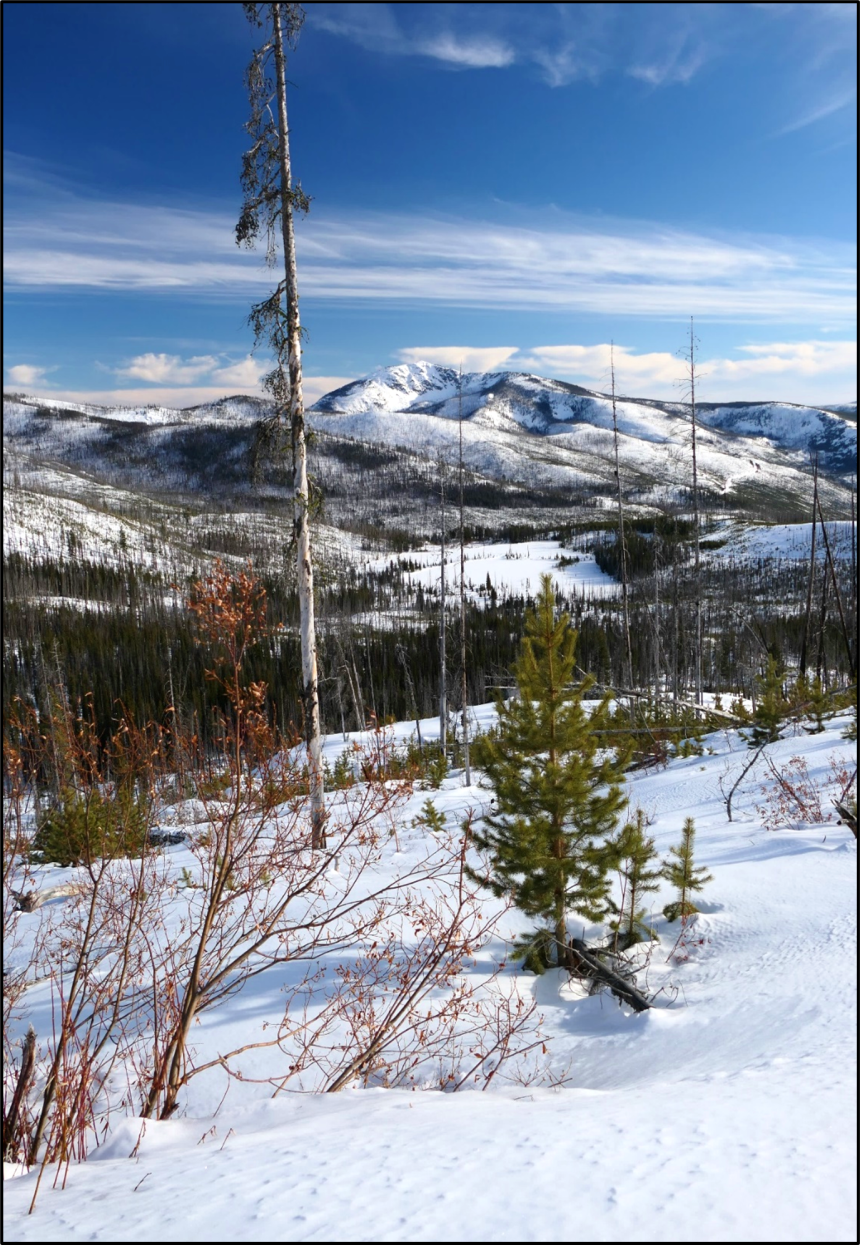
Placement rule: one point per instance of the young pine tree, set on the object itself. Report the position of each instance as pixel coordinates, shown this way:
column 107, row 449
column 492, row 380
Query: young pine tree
column 557, row 796
column 684, row 875
column 635, row 854
column 772, row 706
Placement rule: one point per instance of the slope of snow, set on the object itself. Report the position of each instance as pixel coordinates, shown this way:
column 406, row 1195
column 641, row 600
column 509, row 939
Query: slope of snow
column 512, row 568
column 724, row 1114
column 520, row 428
column 788, row 541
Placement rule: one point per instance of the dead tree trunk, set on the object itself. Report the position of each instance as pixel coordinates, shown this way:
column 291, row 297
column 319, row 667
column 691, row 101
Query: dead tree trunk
column 852, row 665
column 270, row 197
column 465, row 682
column 691, row 364
column 622, row 551
column 443, row 680
column 304, row 566
column 811, row 583
column 586, row 962
column 25, row 1075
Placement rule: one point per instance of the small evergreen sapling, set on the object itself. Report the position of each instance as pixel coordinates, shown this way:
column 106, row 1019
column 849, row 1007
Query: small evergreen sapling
column 635, row 856
column 558, row 794
column 430, row 819
column 772, row 706
column 684, row 875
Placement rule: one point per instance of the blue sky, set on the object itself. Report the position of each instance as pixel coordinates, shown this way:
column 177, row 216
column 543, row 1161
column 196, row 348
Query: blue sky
column 497, row 185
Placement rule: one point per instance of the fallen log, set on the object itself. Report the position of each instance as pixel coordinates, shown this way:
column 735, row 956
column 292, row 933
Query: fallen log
column 586, row 962
column 847, row 815
column 29, row 901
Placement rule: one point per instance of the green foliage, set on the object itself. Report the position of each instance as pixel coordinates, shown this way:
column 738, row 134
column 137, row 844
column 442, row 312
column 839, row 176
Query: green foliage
column 435, row 765
column 557, row 795
column 684, row 875
column 342, row 775
column 687, row 747
column 427, row 764
column 215, row 787
column 815, row 700
column 772, row 705
column 535, row 951
column 82, row 826
column 430, row 818
column 635, row 852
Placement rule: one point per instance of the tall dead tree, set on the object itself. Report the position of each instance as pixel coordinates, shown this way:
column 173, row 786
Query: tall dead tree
column 849, row 647
column 464, row 688
column 811, row 581
column 622, row 548
column 443, row 677
column 689, row 357
column 271, row 197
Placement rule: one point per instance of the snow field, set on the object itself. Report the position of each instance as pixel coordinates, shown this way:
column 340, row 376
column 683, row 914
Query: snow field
column 724, row 1114
column 514, row 568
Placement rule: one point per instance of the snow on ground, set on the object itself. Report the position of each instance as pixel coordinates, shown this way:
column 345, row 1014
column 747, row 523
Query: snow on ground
column 726, row 1113
column 789, row 541
column 513, row 568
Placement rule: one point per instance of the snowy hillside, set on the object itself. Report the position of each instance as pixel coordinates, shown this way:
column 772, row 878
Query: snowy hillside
column 554, row 407
column 519, row 432
column 726, row 1113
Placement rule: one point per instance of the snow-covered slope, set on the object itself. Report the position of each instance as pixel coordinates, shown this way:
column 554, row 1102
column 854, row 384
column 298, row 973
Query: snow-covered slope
column 380, row 438
column 726, row 1113
column 551, row 406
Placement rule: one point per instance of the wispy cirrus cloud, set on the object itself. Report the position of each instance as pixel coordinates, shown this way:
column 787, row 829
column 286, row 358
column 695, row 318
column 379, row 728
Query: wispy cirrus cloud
column 563, row 44
column 554, row 262
column 819, row 45
column 375, row 27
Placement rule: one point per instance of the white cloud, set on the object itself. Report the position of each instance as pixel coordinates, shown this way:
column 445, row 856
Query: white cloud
column 806, row 371
column 171, row 369
column 25, row 374
column 180, row 397
column 376, row 28
column 834, row 102
column 566, row 42
column 313, row 387
column 245, row 375
column 668, row 72
column 475, row 53
column 471, row 358
column 167, row 368
column 553, row 261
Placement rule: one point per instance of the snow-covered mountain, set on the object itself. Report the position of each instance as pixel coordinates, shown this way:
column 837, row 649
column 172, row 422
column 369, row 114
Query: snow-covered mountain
column 496, row 400
column 534, row 448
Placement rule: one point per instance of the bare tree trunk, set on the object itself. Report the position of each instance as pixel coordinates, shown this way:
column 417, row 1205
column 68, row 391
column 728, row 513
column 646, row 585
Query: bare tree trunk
column 304, row 567
column 810, row 585
column 443, row 682
column 698, row 562
column 465, row 684
column 622, row 550
column 854, row 560
column 821, row 661
column 852, row 665
column 676, row 620
column 658, row 661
